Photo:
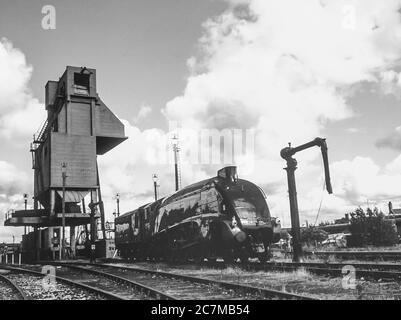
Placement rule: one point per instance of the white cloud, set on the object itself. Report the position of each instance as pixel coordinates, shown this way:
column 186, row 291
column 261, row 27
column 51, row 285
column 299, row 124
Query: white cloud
column 13, row 183
column 285, row 73
column 143, row 112
column 361, row 179
column 128, row 168
column 392, row 140
column 14, row 77
column 285, row 68
column 394, row 167
column 12, row 180
column 353, row 130
column 391, row 83
column 21, row 124
column 20, row 117
column 20, row 113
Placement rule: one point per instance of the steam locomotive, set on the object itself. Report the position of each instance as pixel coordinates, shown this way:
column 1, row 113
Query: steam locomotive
column 222, row 217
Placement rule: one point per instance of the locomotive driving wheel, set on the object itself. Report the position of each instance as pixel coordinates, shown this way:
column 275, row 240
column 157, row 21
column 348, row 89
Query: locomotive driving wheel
column 228, row 256
column 243, row 256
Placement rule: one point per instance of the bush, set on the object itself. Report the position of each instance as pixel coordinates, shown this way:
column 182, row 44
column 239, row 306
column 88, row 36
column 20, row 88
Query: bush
column 311, row 235
column 284, row 235
column 371, row 228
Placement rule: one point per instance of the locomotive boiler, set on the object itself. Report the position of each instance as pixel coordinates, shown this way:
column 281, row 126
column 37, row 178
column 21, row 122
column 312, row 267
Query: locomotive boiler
column 221, row 217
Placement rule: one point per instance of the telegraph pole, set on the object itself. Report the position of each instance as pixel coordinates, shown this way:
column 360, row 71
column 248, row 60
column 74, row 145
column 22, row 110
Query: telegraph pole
column 118, row 204
column 26, row 207
column 177, row 170
column 155, row 180
column 64, row 175
column 92, row 207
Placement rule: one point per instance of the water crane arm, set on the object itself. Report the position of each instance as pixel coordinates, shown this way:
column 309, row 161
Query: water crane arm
column 288, row 152
column 325, row 157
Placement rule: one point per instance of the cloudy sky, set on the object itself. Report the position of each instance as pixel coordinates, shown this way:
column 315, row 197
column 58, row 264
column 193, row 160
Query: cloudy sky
column 288, row 70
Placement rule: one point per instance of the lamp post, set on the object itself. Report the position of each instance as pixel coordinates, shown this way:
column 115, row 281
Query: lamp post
column 64, row 175
column 176, row 150
column 118, row 204
column 114, row 223
column 26, row 205
column 155, row 180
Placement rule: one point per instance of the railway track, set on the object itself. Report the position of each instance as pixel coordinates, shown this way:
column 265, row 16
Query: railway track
column 391, row 267
column 14, row 290
column 30, row 284
column 360, row 255
column 179, row 286
column 366, row 271
column 373, row 271
column 266, row 266
column 127, row 289
column 131, row 282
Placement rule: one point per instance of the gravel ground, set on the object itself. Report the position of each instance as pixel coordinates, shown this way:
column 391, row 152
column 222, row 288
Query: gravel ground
column 95, row 281
column 33, row 287
column 102, row 283
column 180, row 289
column 300, row 282
column 6, row 292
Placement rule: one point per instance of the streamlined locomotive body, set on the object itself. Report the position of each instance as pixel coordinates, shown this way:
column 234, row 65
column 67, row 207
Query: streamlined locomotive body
column 222, row 217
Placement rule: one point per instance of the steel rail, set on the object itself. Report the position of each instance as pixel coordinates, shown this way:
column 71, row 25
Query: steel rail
column 370, row 270
column 368, row 266
column 336, row 269
column 15, row 287
column 69, row 282
column 359, row 254
column 264, row 292
column 151, row 292
column 265, row 266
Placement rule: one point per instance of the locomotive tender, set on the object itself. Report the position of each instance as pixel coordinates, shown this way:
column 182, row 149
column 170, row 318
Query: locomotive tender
column 222, row 217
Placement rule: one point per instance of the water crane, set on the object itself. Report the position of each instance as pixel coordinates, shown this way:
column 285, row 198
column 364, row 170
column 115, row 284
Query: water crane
column 287, row 154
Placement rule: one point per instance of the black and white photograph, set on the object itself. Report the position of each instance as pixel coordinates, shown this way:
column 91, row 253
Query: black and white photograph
column 200, row 154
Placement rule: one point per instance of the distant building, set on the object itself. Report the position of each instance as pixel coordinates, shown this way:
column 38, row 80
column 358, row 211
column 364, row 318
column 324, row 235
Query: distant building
column 392, row 211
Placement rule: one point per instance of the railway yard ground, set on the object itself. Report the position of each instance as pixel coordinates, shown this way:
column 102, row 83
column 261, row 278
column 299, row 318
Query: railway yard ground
column 314, row 279
column 298, row 280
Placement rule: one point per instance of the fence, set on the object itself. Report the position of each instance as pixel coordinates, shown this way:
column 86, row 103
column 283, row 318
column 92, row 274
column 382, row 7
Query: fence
column 12, row 258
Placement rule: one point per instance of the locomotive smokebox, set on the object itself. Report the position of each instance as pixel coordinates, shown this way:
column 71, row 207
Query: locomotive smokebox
column 228, row 173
